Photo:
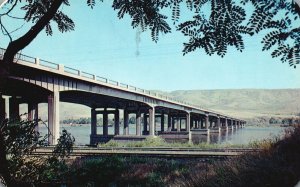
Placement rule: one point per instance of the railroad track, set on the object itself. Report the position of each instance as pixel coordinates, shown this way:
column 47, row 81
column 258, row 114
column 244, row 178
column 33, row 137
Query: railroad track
column 152, row 152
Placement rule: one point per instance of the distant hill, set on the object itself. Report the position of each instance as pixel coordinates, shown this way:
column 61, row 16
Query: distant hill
column 245, row 103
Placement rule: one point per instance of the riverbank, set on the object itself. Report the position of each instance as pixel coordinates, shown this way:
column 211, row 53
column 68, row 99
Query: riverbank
column 278, row 164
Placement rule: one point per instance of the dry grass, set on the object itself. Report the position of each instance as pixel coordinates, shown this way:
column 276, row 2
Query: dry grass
column 277, row 165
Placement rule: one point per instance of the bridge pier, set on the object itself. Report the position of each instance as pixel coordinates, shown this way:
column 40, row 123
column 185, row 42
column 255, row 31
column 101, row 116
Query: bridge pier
column 93, row 125
column 14, row 112
column 126, row 123
column 53, row 117
column 226, row 124
column 138, row 123
column 145, row 123
column 173, row 123
column 219, row 124
column 207, row 121
column 178, row 124
column 2, row 109
column 33, row 114
column 117, row 122
column 169, row 123
column 162, row 122
column 152, row 121
column 105, row 122
column 188, row 122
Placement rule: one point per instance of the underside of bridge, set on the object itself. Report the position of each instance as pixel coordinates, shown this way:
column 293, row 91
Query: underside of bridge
column 153, row 116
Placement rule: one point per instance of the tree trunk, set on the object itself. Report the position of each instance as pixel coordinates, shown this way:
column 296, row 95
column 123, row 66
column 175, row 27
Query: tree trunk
column 12, row 49
column 15, row 46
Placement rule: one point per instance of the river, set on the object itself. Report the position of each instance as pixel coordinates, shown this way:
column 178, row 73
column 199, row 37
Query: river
column 240, row 136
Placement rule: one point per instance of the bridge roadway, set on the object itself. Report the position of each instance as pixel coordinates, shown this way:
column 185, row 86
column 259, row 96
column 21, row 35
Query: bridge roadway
column 165, row 152
column 33, row 81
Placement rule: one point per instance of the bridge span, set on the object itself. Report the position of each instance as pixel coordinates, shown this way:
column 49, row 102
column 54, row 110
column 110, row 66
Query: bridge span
column 33, row 81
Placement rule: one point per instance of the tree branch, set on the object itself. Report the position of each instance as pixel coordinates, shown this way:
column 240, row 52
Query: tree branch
column 13, row 6
column 15, row 46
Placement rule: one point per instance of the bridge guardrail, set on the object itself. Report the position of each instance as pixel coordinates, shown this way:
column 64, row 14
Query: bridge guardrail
column 101, row 79
column 77, row 72
column 123, row 85
column 71, row 70
column 49, row 64
column 87, row 75
column 25, row 58
column 112, row 82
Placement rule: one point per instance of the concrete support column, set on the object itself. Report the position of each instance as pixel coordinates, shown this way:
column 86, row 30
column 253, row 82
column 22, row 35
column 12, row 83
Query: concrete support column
column 207, row 121
column 219, row 123
column 162, row 122
column 117, row 122
column 145, row 124
column 14, row 112
column 33, row 114
column 173, row 123
column 152, row 121
column 93, row 121
column 138, row 123
column 226, row 123
column 126, row 122
column 2, row 109
column 105, row 123
column 188, row 122
column 53, row 117
column 178, row 124
column 169, row 122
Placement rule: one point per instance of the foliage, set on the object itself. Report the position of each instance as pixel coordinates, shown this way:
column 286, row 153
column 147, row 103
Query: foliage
column 224, row 25
column 160, row 142
column 35, row 10
column 126, row 171
column 21, row 140
column 278, row 164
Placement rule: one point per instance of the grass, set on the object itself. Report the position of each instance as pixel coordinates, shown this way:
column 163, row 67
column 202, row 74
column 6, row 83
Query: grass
column 278, row 164
column 160, row 142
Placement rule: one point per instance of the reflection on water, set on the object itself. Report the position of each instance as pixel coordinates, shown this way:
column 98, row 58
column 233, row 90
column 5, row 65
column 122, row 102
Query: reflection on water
column 240, row 136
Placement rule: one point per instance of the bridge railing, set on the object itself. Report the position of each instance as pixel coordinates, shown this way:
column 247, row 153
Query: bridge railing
column 71, row 70
column 101, row 79
column 87, row 75
column 49, row 64
column 112, row 82
column 25, row 58
column 77, row 72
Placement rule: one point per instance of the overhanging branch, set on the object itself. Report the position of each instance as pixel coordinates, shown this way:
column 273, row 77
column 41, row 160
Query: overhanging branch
column 20, row 43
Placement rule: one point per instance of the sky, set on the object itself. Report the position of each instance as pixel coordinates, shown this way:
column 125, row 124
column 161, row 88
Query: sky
column 102, row 44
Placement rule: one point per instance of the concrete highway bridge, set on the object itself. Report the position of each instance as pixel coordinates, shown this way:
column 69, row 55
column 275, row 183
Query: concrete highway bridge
column 33, row 81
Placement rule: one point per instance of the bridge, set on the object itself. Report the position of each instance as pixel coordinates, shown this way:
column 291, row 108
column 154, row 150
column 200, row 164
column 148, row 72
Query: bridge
column 33, row 81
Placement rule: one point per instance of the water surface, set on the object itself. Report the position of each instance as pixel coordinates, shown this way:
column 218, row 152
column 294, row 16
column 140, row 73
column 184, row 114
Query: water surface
column 233, row 137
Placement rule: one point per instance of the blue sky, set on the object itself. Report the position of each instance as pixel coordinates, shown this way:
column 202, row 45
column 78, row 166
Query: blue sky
column 104, row 45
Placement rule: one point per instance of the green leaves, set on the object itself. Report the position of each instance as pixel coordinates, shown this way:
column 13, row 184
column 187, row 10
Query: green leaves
column 223, row 26
column 214, row 34
column 145, row 14
column 35, row 9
